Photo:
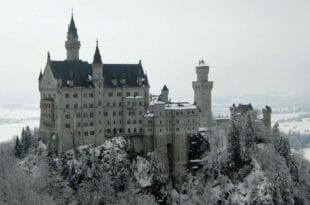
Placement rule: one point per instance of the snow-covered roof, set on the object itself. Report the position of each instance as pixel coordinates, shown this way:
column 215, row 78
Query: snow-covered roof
column 134, row 97
column 180, row 106
column 149, row 115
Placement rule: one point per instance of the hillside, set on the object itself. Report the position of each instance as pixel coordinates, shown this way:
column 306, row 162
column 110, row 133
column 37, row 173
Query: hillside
column 243, row 164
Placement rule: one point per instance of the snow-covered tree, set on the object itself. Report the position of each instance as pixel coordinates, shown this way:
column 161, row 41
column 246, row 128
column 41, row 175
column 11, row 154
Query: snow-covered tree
column 234, row 147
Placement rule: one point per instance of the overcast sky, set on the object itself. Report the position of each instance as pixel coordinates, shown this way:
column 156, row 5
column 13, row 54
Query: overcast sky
column 256, row 47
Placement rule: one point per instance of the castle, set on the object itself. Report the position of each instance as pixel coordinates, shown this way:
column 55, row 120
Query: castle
column 86, row 103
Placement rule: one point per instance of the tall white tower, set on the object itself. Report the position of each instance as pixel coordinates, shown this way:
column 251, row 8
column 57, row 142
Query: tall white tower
column 72, row 44
column 202, row 92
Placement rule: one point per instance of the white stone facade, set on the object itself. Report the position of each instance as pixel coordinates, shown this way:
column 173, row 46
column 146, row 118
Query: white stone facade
column 202, row 94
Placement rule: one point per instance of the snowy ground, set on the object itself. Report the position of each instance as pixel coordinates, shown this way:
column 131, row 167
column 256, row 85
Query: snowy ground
column 293, row 122
column 307, row 153
column 14, row 118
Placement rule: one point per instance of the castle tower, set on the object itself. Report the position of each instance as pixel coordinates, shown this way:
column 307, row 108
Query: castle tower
column 97, row 81
column 267, row 116
column 72, row 44
column 97, row 64
column 202, row 94
column 164, row 94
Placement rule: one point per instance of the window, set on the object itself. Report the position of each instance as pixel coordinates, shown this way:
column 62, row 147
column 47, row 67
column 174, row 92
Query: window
column 75, row 95
column 85, row 115
column 85, row 105
column 136, row 93
column 114, row 113
column 119, row 94
column 134, row 121
column 105, row 113
column 67, row 106
column 92, row 132
column 128, row 103
column 67, row 95
column 110, row 94
column 108, row 122
column 140, row 121
column 134, row 130
column 75, row 105
column 127, row 94
column 140, row 103
column 78, row 115
column 91, row 95
column 99, row 103
column 85, row 133
column 108, row 131
column 91, row 115
column 141, row 130
column 67, row 125
column 120, row 104
column 114, row 122
column 120, row 112
column 108, row 104
column 78, row 124
column 128, row 122
column 67, row 116
column 85, row 95
column 128, row 130
column 91, row 105
column 85, row 124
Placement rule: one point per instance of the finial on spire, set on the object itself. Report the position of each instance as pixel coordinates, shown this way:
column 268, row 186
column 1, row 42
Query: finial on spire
column 72, row 28
column 97, row 56
column 48, row 56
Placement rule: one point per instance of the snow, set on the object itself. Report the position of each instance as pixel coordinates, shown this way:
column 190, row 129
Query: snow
column 135, row 97
column 293, row 122
column 306, row 153
column 143, row 173
column 180, row 106
column 14, row 118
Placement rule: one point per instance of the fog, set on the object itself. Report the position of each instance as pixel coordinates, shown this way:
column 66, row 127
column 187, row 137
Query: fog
column 256, row 47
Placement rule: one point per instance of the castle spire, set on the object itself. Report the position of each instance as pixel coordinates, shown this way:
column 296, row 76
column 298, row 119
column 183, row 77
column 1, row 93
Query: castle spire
column 72, row 44
column 72, row 28
column 97, row 56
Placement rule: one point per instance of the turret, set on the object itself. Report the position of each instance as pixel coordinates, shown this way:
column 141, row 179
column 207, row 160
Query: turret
column 267, row 116
column 164, row 94
column 97, row 64
column 72, row 44
column 202, row 94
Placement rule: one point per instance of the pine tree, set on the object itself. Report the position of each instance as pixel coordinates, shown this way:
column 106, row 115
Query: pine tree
column 249, row 138
column 234, row 147
column 18, row 147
